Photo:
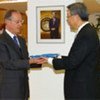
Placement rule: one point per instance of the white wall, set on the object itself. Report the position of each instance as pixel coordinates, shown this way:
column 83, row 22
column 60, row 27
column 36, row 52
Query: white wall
column 46, row 83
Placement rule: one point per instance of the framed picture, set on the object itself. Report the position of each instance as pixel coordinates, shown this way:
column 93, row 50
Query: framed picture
column 50, row 24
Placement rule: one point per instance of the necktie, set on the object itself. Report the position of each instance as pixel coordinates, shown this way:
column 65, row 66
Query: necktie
column 53, row 21
column 15, row 40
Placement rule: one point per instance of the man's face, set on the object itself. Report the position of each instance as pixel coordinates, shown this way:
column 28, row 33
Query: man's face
column 14, row 25
column 71, row 20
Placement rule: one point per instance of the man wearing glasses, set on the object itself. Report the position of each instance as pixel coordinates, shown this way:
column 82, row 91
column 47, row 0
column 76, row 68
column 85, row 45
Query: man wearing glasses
column 14, row 60
column 80, row 65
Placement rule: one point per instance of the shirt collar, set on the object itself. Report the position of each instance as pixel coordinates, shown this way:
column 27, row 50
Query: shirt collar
column 9, row 33
column 12, row 35
column 81, row 27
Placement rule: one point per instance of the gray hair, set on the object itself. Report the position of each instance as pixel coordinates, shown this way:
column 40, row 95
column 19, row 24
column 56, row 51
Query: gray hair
column 9, row 13
column 80, row 9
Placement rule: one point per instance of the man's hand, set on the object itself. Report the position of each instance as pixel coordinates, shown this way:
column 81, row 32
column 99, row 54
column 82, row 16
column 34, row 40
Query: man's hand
column 38, row 60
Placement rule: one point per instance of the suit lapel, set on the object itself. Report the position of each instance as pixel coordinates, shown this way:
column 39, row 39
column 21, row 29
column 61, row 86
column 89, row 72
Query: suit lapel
column 23, row 47
column 11, row 43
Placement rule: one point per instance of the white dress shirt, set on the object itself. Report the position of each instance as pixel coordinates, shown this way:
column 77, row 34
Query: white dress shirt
column 51, row 59
column 12, row 35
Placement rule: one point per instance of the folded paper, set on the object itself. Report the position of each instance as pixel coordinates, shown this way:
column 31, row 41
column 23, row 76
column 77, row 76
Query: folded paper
column 51, row 55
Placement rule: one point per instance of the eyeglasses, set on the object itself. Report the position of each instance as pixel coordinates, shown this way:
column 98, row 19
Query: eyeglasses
column 17, row 21
column 69, row 16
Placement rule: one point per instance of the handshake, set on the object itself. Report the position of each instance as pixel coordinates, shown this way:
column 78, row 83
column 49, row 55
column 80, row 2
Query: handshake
column 41, row 59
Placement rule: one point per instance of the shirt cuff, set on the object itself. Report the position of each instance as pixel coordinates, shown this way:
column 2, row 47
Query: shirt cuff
column 50, row 61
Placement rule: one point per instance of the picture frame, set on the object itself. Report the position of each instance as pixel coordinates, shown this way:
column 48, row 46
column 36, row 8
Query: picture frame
column 44, row 14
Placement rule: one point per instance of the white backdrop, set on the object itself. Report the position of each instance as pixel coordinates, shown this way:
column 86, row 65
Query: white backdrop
column 46, row 83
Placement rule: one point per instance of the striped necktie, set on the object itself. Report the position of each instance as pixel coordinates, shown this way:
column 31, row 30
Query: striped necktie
column 16, row 40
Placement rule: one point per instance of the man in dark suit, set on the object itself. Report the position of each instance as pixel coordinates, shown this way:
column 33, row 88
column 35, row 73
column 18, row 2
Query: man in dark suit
column 54, row 26
column 81, row 63
column 14, row 60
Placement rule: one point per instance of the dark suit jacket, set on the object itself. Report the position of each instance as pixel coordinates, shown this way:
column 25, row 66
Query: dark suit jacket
column 14, row 64
column 79, row 65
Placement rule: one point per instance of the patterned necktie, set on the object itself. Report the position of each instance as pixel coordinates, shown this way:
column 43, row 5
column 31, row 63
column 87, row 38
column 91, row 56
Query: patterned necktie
column 15, row 40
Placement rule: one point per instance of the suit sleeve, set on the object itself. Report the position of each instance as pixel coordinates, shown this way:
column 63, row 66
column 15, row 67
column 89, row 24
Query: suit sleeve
column 81, row 48
column 10, row 63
